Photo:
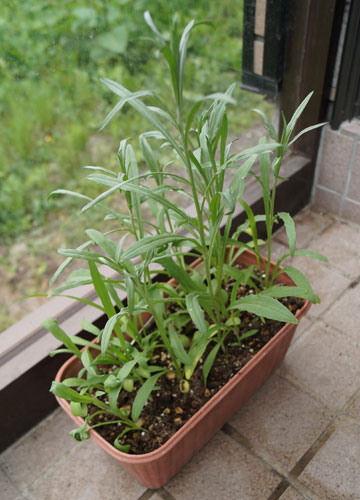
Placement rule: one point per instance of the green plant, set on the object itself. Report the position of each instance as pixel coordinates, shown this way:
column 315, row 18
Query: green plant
column 193, row 317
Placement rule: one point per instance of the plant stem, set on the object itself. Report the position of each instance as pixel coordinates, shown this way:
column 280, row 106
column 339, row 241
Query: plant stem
column 270, row 219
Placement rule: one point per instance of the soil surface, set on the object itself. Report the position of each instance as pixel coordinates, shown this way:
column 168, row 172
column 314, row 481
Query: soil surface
column 168, row 409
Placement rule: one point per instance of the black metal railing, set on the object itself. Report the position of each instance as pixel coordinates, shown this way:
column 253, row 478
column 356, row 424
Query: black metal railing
column 263, row 45
column 347, row 99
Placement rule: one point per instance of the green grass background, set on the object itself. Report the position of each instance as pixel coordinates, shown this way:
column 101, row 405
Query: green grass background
column 52, row 103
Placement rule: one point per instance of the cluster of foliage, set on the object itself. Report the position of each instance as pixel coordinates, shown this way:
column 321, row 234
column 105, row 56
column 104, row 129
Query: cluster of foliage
column 199, row 305
column 53, row 55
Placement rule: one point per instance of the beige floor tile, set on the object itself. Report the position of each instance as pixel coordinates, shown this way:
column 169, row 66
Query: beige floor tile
column 303, row 327
column 282, row 421
column 8, row 491
column 308, row 225
column 344, row 313
column 333, row 474
column 223, row 469
column 341, row 245
column 86, row 473
column 29, row 458
column 327, row 363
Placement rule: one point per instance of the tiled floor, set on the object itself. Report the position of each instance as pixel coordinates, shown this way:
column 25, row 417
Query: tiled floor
column 298, row 437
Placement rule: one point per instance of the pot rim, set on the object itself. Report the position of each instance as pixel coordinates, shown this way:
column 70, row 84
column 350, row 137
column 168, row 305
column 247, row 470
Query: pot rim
column 193, row 421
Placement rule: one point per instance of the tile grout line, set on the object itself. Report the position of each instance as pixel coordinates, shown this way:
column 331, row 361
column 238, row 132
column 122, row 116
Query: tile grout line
column 286, row 479
column 318, row 161
column 147, row 494
column 303, row 490
column 355, row 202
column 3, row 470
column 348, row 175
column 327, row 189
column 305, row 390
column 326, row 325
column 279, row 490
column 164, row 494
column 304, row 211
column 22, row 487
column 65, row 456
column 240, row 439
column 351, row 400
column 338, row 412
column 297, row 486
column 350, row 286
column 337, row 218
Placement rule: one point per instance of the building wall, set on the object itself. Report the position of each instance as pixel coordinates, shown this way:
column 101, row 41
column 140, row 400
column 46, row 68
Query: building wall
column 337, row 178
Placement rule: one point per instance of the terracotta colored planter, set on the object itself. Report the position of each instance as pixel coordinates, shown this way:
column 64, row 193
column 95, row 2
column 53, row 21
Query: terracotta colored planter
column 158, row 467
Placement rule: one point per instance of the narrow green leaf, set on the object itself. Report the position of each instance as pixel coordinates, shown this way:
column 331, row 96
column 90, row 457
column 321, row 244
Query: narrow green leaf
column 278, row 292
column 107, row 332
column 87, row 362
column 127, row 367
column 180, row 275
column 81, row 433
column 307, row 129
column 82, row 342
column 302, row 282
column 178, row 347
column 62, row 391
column 130, row 293
column 143, row 110
column 125, row 448
column 79, row 254
column 149, row 243
column 265, row 307
column 248, row 334
column 242, row 275
column 113, row 398
column 182, row 53
column 121, row 104
column 150, row 23
column 103, row 242
column 195, row 311
column 290, row 230
column 100, row 169
column 66, row 262
column 311, row 254
column 101, row 290
column 268, row 124
column 70, row 193
column 142, row 396
column 195, row 352
column 252, row 222
column 78, row 409
column 52, row 325
column 291, row 125
column 210, row 361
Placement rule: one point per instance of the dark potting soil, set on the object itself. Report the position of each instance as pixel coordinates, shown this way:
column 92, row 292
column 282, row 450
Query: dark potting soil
column 168, row 409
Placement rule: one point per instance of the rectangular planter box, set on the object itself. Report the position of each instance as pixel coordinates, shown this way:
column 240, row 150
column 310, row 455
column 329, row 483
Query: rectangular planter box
column 156, row 468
